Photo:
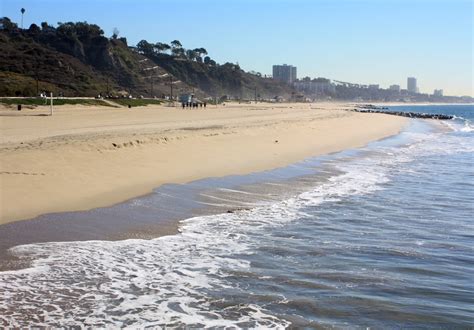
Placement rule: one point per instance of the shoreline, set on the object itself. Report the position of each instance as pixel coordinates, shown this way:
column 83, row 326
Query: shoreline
column 96, row 158
column 413, row 104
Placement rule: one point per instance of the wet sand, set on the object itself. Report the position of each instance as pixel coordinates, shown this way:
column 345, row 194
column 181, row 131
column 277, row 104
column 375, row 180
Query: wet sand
column 158, row 214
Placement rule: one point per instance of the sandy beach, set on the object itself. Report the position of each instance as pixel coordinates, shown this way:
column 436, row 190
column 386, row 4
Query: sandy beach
column 87, row 157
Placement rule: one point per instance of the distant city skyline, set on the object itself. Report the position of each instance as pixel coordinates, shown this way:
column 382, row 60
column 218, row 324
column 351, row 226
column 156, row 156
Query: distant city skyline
column 411, row 85
column 287, row 73
column 358, row 41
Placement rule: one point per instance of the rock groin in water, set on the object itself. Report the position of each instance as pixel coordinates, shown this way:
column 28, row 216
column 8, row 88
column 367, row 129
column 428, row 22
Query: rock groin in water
column 373, row 109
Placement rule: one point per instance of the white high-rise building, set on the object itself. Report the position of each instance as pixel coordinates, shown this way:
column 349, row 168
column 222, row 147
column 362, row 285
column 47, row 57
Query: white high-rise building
column 286, row 73
column 411, row 85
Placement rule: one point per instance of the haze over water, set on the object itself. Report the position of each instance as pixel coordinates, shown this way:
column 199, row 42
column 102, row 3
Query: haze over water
column 380, row 236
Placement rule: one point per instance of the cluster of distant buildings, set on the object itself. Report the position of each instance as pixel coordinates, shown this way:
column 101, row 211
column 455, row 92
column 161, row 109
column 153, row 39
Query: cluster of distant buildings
column 288, row 74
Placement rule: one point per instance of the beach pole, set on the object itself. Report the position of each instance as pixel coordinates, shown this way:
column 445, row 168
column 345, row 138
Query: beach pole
column 51, row 104
column 171, row 91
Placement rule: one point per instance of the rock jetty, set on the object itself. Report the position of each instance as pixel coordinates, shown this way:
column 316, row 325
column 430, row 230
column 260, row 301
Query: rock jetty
column 369, row 108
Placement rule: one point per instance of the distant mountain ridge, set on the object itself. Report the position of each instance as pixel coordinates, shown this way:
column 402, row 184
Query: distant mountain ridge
column 76, row 59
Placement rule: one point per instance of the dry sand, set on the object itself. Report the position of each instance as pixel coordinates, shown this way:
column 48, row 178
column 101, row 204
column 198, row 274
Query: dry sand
column 87, row 157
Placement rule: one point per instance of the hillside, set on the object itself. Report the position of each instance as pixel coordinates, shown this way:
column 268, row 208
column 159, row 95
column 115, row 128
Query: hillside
column 76, row 59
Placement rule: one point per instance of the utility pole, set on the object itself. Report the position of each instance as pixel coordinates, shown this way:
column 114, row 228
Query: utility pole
column 151, row 86
column 171, row 88
column 255, row 94
column 51, row 104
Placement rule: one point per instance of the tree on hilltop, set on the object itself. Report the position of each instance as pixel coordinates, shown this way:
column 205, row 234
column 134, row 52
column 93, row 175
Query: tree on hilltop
column 161, row 47
column 199, row 53
column 34, row 31
column 7, row 25
column 176, row 44
column 145, row 47
column 44, row 26
column 209, row 61
column 191, row 54
column 177, row 48
column 80, row 29
column 178, row 52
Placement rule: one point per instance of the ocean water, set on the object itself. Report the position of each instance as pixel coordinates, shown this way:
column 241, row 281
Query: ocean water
column 381, row 236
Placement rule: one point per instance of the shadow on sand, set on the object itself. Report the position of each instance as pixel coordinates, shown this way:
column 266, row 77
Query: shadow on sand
column 24, row 114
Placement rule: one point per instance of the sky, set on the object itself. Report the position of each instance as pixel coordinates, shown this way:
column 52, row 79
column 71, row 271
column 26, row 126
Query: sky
column 359, row 41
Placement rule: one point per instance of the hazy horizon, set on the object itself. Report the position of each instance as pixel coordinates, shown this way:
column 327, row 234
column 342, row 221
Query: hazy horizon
column 365, row 42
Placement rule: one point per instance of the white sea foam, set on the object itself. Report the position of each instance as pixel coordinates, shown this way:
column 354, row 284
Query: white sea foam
column 468, row 126
column 173, row 280
column 459, row 124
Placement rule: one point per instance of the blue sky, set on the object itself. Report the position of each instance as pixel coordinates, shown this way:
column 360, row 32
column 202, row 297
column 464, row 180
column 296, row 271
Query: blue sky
column 363, row 41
